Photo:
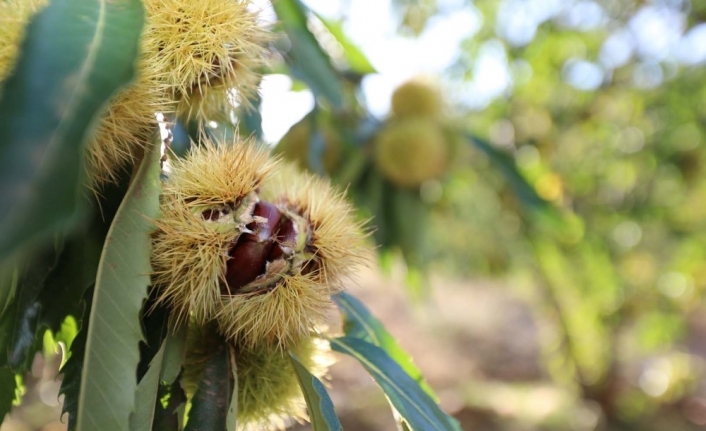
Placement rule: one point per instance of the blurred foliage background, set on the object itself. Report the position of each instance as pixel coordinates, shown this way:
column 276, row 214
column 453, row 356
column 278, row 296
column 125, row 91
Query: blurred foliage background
column 577, row 187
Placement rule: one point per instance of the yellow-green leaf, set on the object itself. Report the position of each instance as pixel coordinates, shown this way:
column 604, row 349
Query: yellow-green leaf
column 108, row 379
column 359, row 323
column 321, row 411
column 416, row 407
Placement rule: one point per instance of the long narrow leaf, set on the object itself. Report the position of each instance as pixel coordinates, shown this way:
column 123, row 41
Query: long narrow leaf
column 232, row 416
column 173, row 355
column 356, row 59
column 9, row 278
column 321, row 412
column 76, row 54
column 18, row 325
column 65, row 285
column 146, row 394
column 108, row 379
column 166, row 417
column 359, row 323
column 309, row 62
column 506, row 163
column 419, row 410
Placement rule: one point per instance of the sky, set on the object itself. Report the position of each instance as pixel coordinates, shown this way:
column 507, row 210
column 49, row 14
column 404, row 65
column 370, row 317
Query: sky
column 371, row 26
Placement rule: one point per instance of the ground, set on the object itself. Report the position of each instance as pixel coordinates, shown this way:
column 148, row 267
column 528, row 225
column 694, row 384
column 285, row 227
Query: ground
column 478, row 344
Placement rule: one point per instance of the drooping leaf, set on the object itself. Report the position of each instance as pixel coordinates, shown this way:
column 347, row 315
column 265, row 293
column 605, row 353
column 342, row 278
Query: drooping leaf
column 173, row 355
column 146, row 394
column 52, row 285
column 212, row 402
column 359, row 323
column 67, row 282
column 7, row 391
column 232, row 416
column 170, row 395
column 161, row 357
column 20, row 322
column 76, row 54
column 155, row 327
column 352, row 169
column 7, row 317
column 414, row 405
column 308, row 61
column 108, row 379
column 9, row 278
column 507, row 165
column 374, row 197
column 408, row 220
column 356, row 59
column 321, row 411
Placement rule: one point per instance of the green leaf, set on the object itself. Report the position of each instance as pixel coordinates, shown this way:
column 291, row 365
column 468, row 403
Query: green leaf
column 309, row 62
column 52, row 284
column 409, row 221
column 20, row 322
column 155, row 327
column 357, row 61
column 359, row 323
column 506, row 163
column 173, row 355
column 232, row 416
column 8, row 384
column 65, row 285
column 157, row 380
column 9, row 278
column 209, row 411
column 76, row 54
column 7, row 335
column 108, row 379
column 321, row 412
column 375, row 195
column 414, row 405
column 352, row 170
column 165, row 393
column 168, row 392
column 146, row 394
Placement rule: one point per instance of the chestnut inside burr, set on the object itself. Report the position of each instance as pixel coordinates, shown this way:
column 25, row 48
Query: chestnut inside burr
column 272, row 238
